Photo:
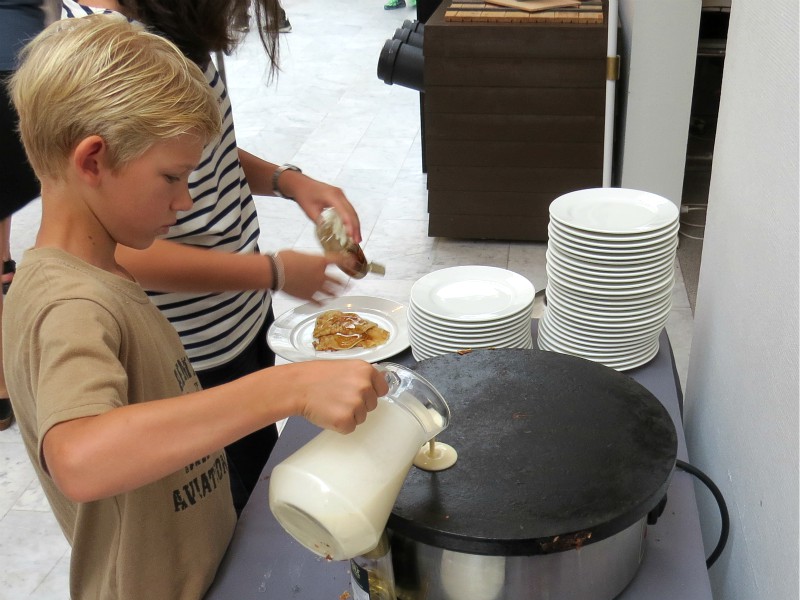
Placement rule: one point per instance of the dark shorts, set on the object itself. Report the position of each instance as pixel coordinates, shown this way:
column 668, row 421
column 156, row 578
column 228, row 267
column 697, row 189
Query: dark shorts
column 246, row 457
column 18, row 184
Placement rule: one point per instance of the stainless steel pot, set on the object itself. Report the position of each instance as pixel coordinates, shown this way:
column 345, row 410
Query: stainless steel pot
column 600, row 570
column 561, row 460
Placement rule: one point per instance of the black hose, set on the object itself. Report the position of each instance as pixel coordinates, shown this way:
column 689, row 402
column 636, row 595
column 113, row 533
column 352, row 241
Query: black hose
column 723, row 509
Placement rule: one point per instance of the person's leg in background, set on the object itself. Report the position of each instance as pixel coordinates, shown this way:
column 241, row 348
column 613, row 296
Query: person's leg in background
column 6, row 414
column 392, row 4
column 9, row 266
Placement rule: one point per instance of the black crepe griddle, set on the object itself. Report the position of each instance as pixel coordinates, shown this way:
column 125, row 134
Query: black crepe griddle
column 554, row 452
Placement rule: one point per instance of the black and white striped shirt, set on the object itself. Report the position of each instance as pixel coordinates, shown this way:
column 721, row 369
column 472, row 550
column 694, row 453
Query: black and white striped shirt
column 214, row 327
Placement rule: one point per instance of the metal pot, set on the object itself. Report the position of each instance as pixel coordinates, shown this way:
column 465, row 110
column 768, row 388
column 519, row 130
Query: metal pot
column 561, row 461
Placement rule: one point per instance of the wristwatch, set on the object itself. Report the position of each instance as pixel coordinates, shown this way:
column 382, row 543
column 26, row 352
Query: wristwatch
column 275, row 189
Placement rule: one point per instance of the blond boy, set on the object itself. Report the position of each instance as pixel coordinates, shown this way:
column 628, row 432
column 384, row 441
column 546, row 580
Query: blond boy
column 126, row 444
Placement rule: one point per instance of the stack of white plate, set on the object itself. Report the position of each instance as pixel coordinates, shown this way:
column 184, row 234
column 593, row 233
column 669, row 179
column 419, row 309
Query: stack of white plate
column 469, row 307
column 610, row 269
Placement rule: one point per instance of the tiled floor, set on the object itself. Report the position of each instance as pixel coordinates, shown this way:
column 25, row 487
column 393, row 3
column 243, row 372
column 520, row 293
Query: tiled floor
column 330, row 114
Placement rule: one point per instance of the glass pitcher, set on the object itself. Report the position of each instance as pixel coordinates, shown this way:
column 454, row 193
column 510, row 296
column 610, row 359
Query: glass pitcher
column 334, row 495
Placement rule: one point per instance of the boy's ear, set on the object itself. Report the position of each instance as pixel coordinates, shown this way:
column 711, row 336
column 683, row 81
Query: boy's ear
column 90, row 158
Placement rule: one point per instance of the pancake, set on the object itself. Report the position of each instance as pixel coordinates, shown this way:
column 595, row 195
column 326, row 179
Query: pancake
column 337, row 330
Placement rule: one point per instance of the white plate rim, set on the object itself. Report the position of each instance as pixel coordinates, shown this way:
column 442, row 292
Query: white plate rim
column 621, row 352
column 428, row 334
column 455, row 345
column 589, row 337
column 558, row 231
column 609, row 303
column 625, row 364
column 429, row 352
column 616, row 270
column 577, row 209
column 623, row 238
column 579, row 248
column 611, row 281
column 616, row 260
column 634, row 291
column 609, row 319
column 469, row 328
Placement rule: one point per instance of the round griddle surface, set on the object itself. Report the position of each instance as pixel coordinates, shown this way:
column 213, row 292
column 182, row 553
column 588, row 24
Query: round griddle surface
column 554, row 452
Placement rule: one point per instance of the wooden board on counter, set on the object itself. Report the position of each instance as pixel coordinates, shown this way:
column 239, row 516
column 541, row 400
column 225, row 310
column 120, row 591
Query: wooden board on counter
column 478, row 11
column 535, row 5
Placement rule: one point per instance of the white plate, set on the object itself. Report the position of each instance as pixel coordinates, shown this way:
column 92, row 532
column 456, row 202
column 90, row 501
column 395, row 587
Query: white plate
column 291, row 335
column 450, row 345
column 625, row 238
column 607, row 352
column 608, row 304
column 572, row 236
column 591, row 269
column 420, row 320
column 472, row 293
column 422, row 350
column 610, row 280
column 597, row 330
column 598, row 338
column 578, row 246
column 592, row 254
column 606, row 319
column 421, row 331
column 614, row 210
column 615, row 261
column 665, row 282
column 625, row 363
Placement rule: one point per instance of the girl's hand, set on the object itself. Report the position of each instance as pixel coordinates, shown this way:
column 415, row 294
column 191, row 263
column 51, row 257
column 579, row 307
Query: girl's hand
column 306, row 275
column 315, row 196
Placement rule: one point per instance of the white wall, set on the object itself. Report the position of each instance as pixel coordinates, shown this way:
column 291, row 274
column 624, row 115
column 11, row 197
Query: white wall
column 742, row 388
column 658, row 46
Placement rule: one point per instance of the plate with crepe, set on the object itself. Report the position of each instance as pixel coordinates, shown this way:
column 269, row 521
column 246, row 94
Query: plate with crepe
column 362, row 327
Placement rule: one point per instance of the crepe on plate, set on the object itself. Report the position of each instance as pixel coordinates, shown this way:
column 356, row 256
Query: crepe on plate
column 337, row 330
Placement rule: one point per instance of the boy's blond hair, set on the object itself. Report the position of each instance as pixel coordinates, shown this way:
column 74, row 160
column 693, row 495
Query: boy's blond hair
column 102, row 75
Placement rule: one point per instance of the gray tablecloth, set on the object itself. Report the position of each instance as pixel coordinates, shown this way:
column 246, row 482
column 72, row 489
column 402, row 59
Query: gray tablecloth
column 264, row 562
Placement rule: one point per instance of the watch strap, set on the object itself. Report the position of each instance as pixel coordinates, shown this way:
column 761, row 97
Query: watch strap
column 276, row 191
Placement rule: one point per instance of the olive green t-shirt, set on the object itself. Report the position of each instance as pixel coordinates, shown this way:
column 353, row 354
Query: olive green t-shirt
column 79, row 341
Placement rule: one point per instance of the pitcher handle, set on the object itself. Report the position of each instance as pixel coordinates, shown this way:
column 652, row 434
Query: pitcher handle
column 392, row 379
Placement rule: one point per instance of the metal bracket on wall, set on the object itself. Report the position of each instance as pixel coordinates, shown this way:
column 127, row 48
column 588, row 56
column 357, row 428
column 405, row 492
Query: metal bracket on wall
column 612, row 68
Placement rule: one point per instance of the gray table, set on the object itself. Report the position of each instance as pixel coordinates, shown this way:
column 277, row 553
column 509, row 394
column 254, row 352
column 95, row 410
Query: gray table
column 264, row 562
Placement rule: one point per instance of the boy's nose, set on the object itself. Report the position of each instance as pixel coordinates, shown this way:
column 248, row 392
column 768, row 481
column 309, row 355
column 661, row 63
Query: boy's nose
column 184, row 201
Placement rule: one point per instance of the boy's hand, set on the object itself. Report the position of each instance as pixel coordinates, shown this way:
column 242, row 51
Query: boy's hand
column 306, row 274
column 338, row 394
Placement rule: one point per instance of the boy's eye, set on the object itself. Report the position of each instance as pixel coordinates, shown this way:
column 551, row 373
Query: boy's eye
column 172, row 178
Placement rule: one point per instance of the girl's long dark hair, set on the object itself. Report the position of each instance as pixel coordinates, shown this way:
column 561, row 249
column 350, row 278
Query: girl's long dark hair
column 200, row 27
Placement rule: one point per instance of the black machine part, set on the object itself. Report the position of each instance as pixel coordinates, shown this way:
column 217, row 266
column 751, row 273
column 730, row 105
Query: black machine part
column 555, row 452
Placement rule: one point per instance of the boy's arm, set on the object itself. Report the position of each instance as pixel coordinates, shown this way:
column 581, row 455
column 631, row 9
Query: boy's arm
column 96, row 457
column 311, row 195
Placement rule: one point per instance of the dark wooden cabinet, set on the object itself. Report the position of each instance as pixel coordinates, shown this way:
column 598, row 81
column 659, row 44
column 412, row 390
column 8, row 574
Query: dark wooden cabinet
column 513, row 117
